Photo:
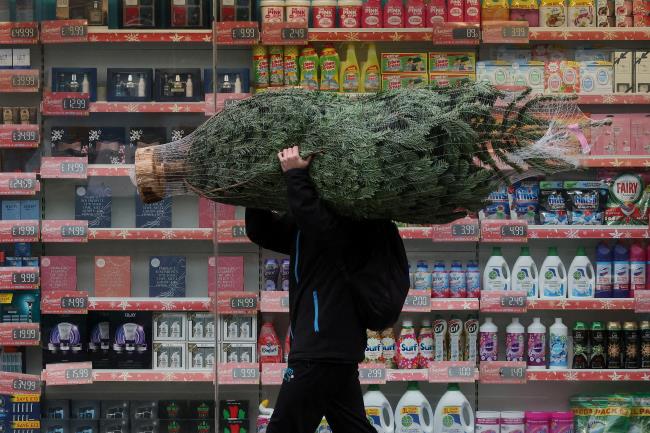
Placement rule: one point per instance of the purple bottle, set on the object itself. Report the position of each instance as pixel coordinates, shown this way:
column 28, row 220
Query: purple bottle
column 536, row 345
column 285, row 272
column 621, row 283
column 604, row 271
column 488, row 343
column 271, row 271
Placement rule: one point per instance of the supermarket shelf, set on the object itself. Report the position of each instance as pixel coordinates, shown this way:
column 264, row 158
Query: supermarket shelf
column 416, row 232
column 616, row 162
column 103, row 34
column 132, row 234
column 588, row 232
column 581, row 304
column 593, row 34
column 589, row 375
column 461, row 304
column 149, row 304
column 371, row 35
column 147, row 376
column 147, row 107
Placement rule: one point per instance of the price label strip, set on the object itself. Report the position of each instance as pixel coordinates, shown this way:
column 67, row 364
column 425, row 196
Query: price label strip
column 19, row 231
column 237, row 303
column 237, row 32
column 20, row 334
column 462, row 230
column 19, row 278
column 372, row 374
column 15, row 383
column 499, row 32
column 456, row 34
column 19, row 136
column 231, row 231
column 642, row 301
column 284, row 34
column 64, row 231
column 452, row 371
column 239, row 373
column 66, row 104
column 73, row 373
column 417, row 301
column 274, row 301
column 24, row 136
column 19, row 80
column 65, row 302
column 503, row 372
column 64, row 31
column 504, row 231
column 504, row 301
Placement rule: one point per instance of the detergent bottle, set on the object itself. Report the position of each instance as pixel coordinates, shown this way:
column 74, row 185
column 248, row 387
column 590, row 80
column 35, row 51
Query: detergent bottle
column 407, row 347
column 524, row 274
column 422, row 276
column 308, row 63
column 637, row 268
column 621, row 282
column 378, row 410
column 440, row 281
column 409, row 414
column 496, row 275
column 453, row 413
column 552, row 277
column 473, row 277
column 264, row 417
column 604, row 271
column 582, row 280
column 350, row 77
column 370, row 76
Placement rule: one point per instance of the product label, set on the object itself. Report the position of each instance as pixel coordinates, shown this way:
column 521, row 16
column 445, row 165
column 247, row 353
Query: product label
column 440, row 284
column 514, row 347
column 488, row 346
column 426, row 349
column 603, row 276
column 525, row 281
column 373, row 349
column 471, row 340
column 409, row 420
column 457, row 284
column 451, row 422
column 324, row 16
column 580, row 284
column 388, row 349
column 439, row 337
column 552, row 284
column 621, row 276
column 558, row 351
column 638, row 276
column 495, row 279
column 372, row 79
column 537, row 349
column 473, row 284
column 351, row 79
column 349, row 17
column 373, row 413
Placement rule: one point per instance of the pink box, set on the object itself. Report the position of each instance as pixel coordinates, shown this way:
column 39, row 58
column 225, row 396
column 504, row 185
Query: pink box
column 112, row 276
column 456, row 11
column 436, row 12
column 640, row 130
column 207, row 209
column 230, row 277
column 58, row 273
column 472, row 11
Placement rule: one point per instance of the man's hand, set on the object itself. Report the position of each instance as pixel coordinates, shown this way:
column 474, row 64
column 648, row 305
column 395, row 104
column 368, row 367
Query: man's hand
column 290, row 159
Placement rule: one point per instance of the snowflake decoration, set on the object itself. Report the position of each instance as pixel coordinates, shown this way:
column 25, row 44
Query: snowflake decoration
column 176, row 37
column 124, row 305
column 566, row 35
column 396, row 37
column 352, row 36
column 168, row 234
column 616, row 234
column 132, row 37
column 124, row 234
column 646, row 163
column 116, row 160
column 571, row 375
column 467, row 306
column 615, row 376
column 207, row 38
column 175, row 108
column 609, row 35
column 646, row 377
column 167, row 305
column 563, row 304
column 206, row 304
column 616, row 163
column 169, row 377
column 608, row 305
column 57, row 134
column 177, row 134
column 572, row 234
column 135, row 135
column 94, row 134
column 125, row 376
column 132, row 108
column 609, row 99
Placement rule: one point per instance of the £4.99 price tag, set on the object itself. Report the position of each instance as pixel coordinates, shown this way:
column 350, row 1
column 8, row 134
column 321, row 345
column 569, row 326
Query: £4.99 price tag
column 504, row 231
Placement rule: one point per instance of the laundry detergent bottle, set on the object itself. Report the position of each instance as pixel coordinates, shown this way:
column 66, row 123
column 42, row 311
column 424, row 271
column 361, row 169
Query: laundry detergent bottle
column 582, row 278
column 496, row 275
column 410, row 412
column 378, row 410
column 524, row 274
column 552, row 277
column 453, row 413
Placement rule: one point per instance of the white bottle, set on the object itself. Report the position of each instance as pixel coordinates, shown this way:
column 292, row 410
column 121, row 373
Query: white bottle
column 515, row 343
column 378, row 410
column 237, row 84
column 536, row 353
column 85, row 85
column 264, row 417
column 175, row 330
column 558, row 353
column 488, row 341
column 524, row 274
column 453, row 413
column 141, row 87
column 496, row 275
column 423, row 277
column 163, row 330
column 582, row 278
column 189, row 87
column 409, row 414
column 552, row 277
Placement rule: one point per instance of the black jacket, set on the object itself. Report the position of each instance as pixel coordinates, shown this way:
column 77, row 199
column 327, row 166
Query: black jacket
column 324, row 322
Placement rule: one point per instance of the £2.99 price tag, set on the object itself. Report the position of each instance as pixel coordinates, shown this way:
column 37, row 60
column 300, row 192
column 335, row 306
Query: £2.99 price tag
column 372, row 373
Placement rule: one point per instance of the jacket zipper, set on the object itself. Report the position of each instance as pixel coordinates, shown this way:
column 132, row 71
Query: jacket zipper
column 316, row 327
column 295, row 265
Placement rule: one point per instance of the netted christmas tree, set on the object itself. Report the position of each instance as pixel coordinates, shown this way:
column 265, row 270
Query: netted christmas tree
column 412, row 155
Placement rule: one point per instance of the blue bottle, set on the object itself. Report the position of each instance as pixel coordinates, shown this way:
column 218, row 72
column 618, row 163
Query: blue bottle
column 473, row 277
column 457, row 281
column 621, row 281
column 422, row 276
column 440, row 281
column 604, row 271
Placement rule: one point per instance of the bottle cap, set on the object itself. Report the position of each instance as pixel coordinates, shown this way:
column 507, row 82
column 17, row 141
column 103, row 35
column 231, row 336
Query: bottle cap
column 515, row 320
column 412, row 386
column 579, row 326
column 524, row 251
column 373, row 387
column 613, row 326
column 453, row 387
column 630, row 326
column 496, row 251
column 597, row 326
column 644, row 325
column 552, row 251
column 581, row 251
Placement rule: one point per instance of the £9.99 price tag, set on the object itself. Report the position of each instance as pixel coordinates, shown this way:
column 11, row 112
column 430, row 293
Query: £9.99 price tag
column 237, row 32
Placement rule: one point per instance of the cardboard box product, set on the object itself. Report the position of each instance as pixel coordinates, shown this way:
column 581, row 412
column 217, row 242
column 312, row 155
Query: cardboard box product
column 99, row 344
column 93, row 203
column 132, row 339
column 153, row 215
column 58, row 273
column 170, row 326
column 23, row 306
column 233, row 409
column 201, row 326
column 623, row 72
column 530, row 75
column 10, row 210
column 56, row 409
column 21, row 58
column 228, row 276
column 403, row 62
column 114, row 426
column 64, row 338
column 169, row 355
column 440, row 61
column 167, row 275
column 403, row 81
column 622, row 134
column 623, row 8
column 495, row 72
column 596, row 78
column 642, row 71
column 113, row 276
column 85, row 409
column 200, row 409
column 6, row 59
column 237, row 327
column 54, row 426
column 640, row 130
column 115, row 409
column 201, row 356
column 237, row 352
column 602, row 137
column 562, row 77
column 30, row 210
column 172, row 409
column 449, row 79
column 144, row 426
column 84, row 426
column 144, row 409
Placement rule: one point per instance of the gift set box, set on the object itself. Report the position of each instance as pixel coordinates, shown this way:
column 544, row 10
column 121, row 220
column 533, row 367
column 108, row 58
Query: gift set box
column 15, row 58
column 144, row 136
column 237, row 335
column 129, row 84
column 18, row 115
column 153, row 215
column 167, row 276
column 20, row 306
column 93, row 203
column 81, row 80
column 629, row 134
column 69, row 141
column 94, row 11
column 178, row 85
column 58, row 273
column 27, row 209
column 113, row 276
column 107, row 145
column 171, row 334
column 229, row 75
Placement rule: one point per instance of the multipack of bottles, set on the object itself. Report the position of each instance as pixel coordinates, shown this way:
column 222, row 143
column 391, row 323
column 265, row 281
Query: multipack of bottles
column 455, row 281
column 613, row 345
column 440, row 340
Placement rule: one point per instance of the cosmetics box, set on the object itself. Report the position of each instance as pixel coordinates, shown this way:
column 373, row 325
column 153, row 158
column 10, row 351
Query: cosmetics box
column 144, row 409
column 201, row 356
column 139, row 14
column 132, row 339
column 201, row 326
column 6, row 58
column 596, row 78
column 167, row 276
column 237, row 327
column 114, row 426
column 30, row 210
column 185, row 14
column 113, row 276
column 54, row 426
column 85, row 409
column 84, row 426
column 144, row 426
column 237, row 352
column 233, row 73
column 170, row 355
column 93, row 203
column 178, row 85
column 562, row 77
column 55, row 409
column 30, row 261
column 169, row 326
column 58, row 273
column 115, row 409
column 21, row 306
column 153, row 215
column 623, row 72
column 99, row 342
column 107, row 145
column 13, row 261
column 64, row 338
column 227, row 276
column 642, row 71
column 69, row 141
column 75, row 80
column 207, row 426
column 10, row 209
column 21, row 58
column 140, row 137
column 129, row 84
column 172, row 409
column 200, row 409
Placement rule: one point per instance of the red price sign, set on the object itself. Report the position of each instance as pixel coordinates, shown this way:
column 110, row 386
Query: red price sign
column 417, row 301
column 19, row 80
column 66, row 104
column 67, row 231
column 504, row 301
column 19, row 278
column 284, row 34
column 19, row 136
column 72, row 373
column 64, row 167
column 18, row 33
column 233, row 231
column 64, row 31
column 237, row 303
column 462, row 230
column 456, row 34
column 504, row 231
column 18, row 183
column 237, row 32
column 372, row 373
column 65, row 302
column 503, row 372
column 452, row 371
column 20, row 334
column 15, row 383
column 274, row 302
column 238, row 373
column 273, row 373
column 505, row 32
column 19, row 231
column 642, row 301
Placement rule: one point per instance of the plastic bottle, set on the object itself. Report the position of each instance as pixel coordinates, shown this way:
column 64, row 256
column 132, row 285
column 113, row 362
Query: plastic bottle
column 388, row 347
column 558, row 346
column 455, row 340
column 487, row 421
column 370, row 73
column 410, row 410
column 440, row 281
column 536, row 345
column 407, row 347
column 524, row 274
column 561, row 422
column 425, row 344
column 260, row 67
column 350, row 76
column 453, row 413
column 552, row 277
column 621, row 283
column 393, row 14
column 330, row 66
column 373, row 346
column 349, row 14
column 512, row 422
column 457, row 281
column 580, row 346
column 614, row 345
column 439, row 339
column 631, row 345
column 582, row 280
column 276, row 66
column 269, row 345
column 537, row 422
column 264, row 416
column 604, row 271
column 597, row 340
column 473, row 276
column 377, row 406
column 309, row 65
column 415, row 14
column 515, row 344
column 637, row 268
column 488, row 346
column 422, row 276
column 496, row 275
column 371, row 14
column 471, row 339
column 291, row 77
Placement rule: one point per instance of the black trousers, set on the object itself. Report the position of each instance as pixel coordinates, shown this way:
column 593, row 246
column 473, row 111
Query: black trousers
column 311, row 390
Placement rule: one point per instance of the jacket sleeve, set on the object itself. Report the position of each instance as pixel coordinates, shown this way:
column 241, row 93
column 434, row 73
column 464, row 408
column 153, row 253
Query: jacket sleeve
column 311, row 214
column 270, row 231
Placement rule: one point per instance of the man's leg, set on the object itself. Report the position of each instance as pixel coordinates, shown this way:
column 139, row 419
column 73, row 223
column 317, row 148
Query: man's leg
column 345, row 411
column 300, row 405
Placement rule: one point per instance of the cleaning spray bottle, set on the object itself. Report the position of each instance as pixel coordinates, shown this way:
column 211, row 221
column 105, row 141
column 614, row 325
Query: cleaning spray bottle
column 378, row 410
column 370, row 76
column 409, row 414
column 453, row 413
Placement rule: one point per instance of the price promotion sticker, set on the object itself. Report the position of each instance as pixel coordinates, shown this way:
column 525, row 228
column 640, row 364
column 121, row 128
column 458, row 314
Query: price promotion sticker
column 274, row 302
column 456, row 34
column 18, row 183
column 19, row 278
column 284, row 34
column 72, row 373
column 66, row 231
column 15, row 383
column 64, row 31
column 20, row 334
column 372, row 374
column 237, row 32
column 238, row 373
column 237, row 303
column 19, row 33
column 452, row 371
column 273, row 373
column 506, row 372
column 19, row 80
column 65, row 302
column 417, row 301
column 504, row 231
column 66, row 104
column 504, row 301
column 505, row 32
column 462, row 230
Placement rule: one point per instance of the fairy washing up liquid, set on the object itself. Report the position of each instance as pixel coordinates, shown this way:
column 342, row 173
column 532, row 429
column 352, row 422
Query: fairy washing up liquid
column 409, row 414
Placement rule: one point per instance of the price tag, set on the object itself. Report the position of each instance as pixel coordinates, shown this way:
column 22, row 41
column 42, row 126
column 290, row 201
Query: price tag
column 514, row 231
column 291, row 34
column 456, row 34
column 18, row 184
column 462, row 230
column 499, row 32
column 19, row 231
column 24, row 136
column 273, row 373
column 21, row 334
column 19, row 80
column 75, row 104
column 65, row 302
column 27, row 32
column 284, row 302
column 74, row 303
column 19, row 136
column 230, row 302
column 24, row 278
column 245, row 33
column 503, row 372
column 504, row 231
column 452, row 371
column 504, row 301
column 19, row 277
column 284, row 33
column 238, row 231
column 73, row 373
column 74, row 31
column 465, row 230
column 515, row 32
column 24, row 81
column 22, row 184
column 460, row 372
column 68, row 167
column 466, row 34
column 417, row 301
column 74, row 231
column 372, row 374
column 16, row 383
column 274, row 301
column 243, row 303
column 642, row 301
column 513, row 301
column 26, row 385
column 231, row 231
column 68, row 231
column 66, row 104
column 18, row 33
column 517, row 373
column 237, row 32
column 245, row 373
column 238, row 373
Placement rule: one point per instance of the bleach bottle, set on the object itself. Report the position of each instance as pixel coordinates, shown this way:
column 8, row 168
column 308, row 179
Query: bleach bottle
column 582, row 281
column 637, row 268
column 409, row 414
column 552, row 277
column 621, row 282
column 604, row 271
column 524, row 274
column 378, row 410
column 453, row 413
column 496, row 275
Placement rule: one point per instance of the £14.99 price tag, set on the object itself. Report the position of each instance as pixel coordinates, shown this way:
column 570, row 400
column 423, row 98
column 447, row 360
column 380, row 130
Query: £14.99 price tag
column 67, row 231
column 230, row 302
column 65, row 302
